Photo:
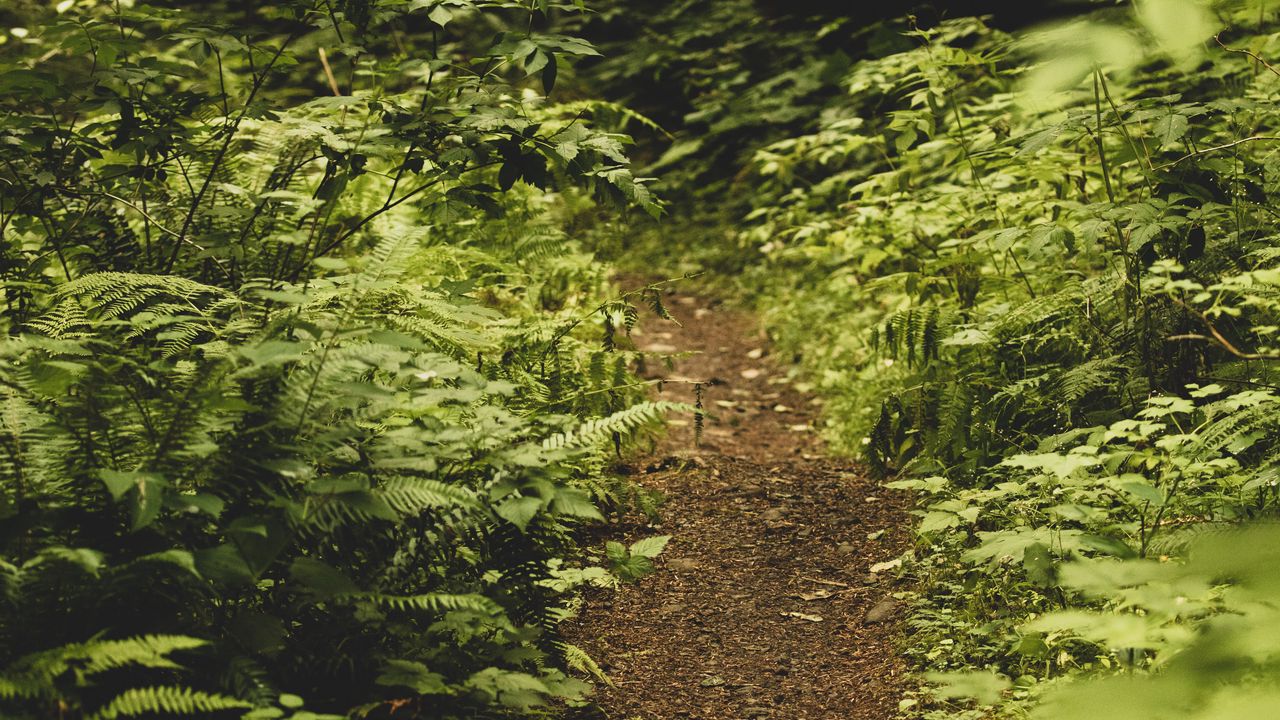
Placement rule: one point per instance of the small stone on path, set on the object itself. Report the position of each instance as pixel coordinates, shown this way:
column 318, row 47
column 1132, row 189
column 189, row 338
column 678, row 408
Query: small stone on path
column 881, row 611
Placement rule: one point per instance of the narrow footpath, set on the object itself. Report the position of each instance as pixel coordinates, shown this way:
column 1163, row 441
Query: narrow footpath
column 764, row 604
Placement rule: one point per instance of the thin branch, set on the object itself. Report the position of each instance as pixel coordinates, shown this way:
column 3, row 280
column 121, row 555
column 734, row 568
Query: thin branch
column 1216, row 148
column 229, row 132
column 162, row 228
column 1218, row 39
column 1217, row 337
column 328, row 73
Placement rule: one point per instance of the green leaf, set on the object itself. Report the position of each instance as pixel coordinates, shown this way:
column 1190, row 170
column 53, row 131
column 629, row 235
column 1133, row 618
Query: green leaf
column 615, row 551
column 549, row 74
column 650, row 547
column 1140, row 488
column 224, row 565
column 440, row 15
column 935, row 521
column 413, row 675
column 149, row 498
column 320, row 579
column 118, row 483
column 258, row 632
column 984, row 687
column 1169, row 129
column 1039, row 566
column 575, row 503
column 519, row 511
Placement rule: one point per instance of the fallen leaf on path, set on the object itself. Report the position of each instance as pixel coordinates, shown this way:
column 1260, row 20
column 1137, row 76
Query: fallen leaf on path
column 713, row 681
column 886, row 565
column 781, row 408
column 750, row 374
column 660, row 348
column 804, row 616
column 815, row 595
column 800, row 428
column 756, row 354
column 727, row 403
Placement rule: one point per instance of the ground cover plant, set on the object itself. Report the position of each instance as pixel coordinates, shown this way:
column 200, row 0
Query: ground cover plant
column 306, row 382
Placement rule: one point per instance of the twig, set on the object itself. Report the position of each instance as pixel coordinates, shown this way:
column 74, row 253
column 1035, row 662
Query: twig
column 228, row 131
column 1218, row 39
column 1217, row 337
column 328, row 73
column 826, row 582
column 1215, row 148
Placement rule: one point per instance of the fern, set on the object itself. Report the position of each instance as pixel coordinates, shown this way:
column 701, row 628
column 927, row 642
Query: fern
column 601, row 430
column 578, row 659
column 172, row 700
column 437, row 603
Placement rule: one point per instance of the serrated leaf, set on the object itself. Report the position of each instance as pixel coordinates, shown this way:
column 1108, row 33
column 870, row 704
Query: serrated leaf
column 650, row 547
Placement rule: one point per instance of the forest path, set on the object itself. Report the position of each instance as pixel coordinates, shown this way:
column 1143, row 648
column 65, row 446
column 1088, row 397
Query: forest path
column 764, row 604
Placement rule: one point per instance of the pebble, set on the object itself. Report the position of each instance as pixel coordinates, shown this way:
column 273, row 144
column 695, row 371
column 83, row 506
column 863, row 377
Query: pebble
column 881, row 611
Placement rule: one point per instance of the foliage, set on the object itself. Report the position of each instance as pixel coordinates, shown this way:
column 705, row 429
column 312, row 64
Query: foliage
column 307, row 381
column 1048, row 258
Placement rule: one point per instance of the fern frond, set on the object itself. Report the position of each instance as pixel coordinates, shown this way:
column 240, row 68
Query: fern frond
column 117, row 294
column 172, row 700
column 578, row 659
column 410, row 496
column 601, row 430
column 34, row 675
column 436, row 603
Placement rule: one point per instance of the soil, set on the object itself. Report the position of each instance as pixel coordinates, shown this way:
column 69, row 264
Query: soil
column 764, row 604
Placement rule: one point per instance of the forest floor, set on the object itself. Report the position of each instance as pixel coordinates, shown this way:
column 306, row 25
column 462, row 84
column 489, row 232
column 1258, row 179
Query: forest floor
column 764, row 604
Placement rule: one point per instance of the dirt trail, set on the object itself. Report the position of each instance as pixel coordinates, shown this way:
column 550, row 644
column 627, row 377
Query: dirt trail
column 764, row 605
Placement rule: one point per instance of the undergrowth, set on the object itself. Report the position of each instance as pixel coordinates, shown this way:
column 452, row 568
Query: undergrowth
column 1034, row 275
column 309, row 378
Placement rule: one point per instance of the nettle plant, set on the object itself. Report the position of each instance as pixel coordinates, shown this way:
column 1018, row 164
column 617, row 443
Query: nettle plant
column 1086, row 555
column 264, row 437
